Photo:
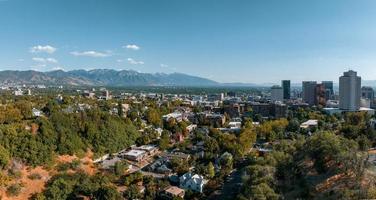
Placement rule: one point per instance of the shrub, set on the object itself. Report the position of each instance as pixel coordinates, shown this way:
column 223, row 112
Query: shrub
column 14, row 190
column 34, row 176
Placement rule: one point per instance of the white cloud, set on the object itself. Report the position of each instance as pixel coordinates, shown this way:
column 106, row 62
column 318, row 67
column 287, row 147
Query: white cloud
column 45, row 60
column 134, row 62
column 132, row 47
column 90, row 54
column 119, row 60
column 164, row 66
column 58, row 68
column 43, row 49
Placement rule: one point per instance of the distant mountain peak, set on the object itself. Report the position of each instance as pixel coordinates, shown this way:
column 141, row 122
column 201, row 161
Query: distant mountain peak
column 106, row 77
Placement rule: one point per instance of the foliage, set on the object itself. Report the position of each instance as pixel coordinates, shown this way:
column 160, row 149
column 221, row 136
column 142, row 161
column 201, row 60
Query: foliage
column 164, row 142
column 14, row 189
column 34, row 176
column 132, row 178
column 210, row 170
column 132, row 192
column 120, row 168
column 269, row 130
column 68, row 186
column 4, row 157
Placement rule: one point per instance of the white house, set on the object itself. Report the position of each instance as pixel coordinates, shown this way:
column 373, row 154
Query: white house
column 309, row 124
column 36, row 112
column 192, row 182
column 175, row 115
column 135, row 155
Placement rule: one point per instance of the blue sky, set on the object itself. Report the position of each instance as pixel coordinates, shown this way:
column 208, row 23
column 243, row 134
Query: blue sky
column 255, row 41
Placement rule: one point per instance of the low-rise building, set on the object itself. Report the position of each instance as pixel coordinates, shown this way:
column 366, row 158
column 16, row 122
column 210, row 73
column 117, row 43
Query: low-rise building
column 150, row 149
column 192, row 182
column 274, row 110
column 18, row 92
column 36, row 113
column 216, row 120
column 191, row 128
column 312, row 123
column 172, row 192
column 235, row 124
column 160, row 166
column 135, row 155
column 175, row 115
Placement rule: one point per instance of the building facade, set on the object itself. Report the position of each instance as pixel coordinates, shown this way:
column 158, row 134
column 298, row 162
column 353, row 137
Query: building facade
column 349, row 91
column 369, row 94
column 286, row 86
column 277, row 93
column 309, row 92
column 329, row 92
column 320, row 97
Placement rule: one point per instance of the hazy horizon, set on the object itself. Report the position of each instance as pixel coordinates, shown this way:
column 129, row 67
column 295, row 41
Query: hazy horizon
column 222, row 40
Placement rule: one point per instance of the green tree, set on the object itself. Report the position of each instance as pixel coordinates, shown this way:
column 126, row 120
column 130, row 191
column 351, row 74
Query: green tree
column 132, row 193
column 164, row 142
column 120, row 168
column 153, row 117
column 59, row 189
column 210, row 170
column 4, row 157
column 107, row 193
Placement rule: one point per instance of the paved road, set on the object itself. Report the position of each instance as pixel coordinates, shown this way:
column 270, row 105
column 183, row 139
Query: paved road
column 155, row 175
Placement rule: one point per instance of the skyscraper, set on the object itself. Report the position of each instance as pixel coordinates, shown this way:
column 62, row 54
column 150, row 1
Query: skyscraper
column 309, row 92
column 328, row 85
column 286, row 86
column 368, row 93
column 277, row 93
column 320, row 95
column 349, row 91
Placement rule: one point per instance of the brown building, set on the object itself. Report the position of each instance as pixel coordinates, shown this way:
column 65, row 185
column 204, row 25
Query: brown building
column 172, row 192
column 272, row 110
column 320, row 98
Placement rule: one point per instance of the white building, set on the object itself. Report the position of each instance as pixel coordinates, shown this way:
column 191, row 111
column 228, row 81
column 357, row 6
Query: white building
column 18, row 92
column 309, row 124
column 366, row 103
column 235, row 124
column 192, row 182
column 175, row 115
column 349, row 91
column 135, row 155
column 36, row 113
column 150, row 149
column 276, row 93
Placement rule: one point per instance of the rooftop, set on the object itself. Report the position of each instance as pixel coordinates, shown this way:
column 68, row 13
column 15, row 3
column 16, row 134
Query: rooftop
column 174, row 190
column 134, row 152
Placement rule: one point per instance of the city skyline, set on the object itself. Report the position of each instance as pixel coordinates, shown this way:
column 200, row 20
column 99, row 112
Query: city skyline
column 225, row 41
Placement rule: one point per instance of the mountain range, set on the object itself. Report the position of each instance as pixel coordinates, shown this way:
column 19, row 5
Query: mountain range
column 101, row 77
column 110, row 77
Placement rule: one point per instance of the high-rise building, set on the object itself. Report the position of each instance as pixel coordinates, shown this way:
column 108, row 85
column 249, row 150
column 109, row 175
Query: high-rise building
column 286, row 86
column 320, row 96
column 231, row 94
column 216, row 97
column 276, row 93
column 368, row 93
column 329, row 92
column 349, row 91
column 309, row 92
